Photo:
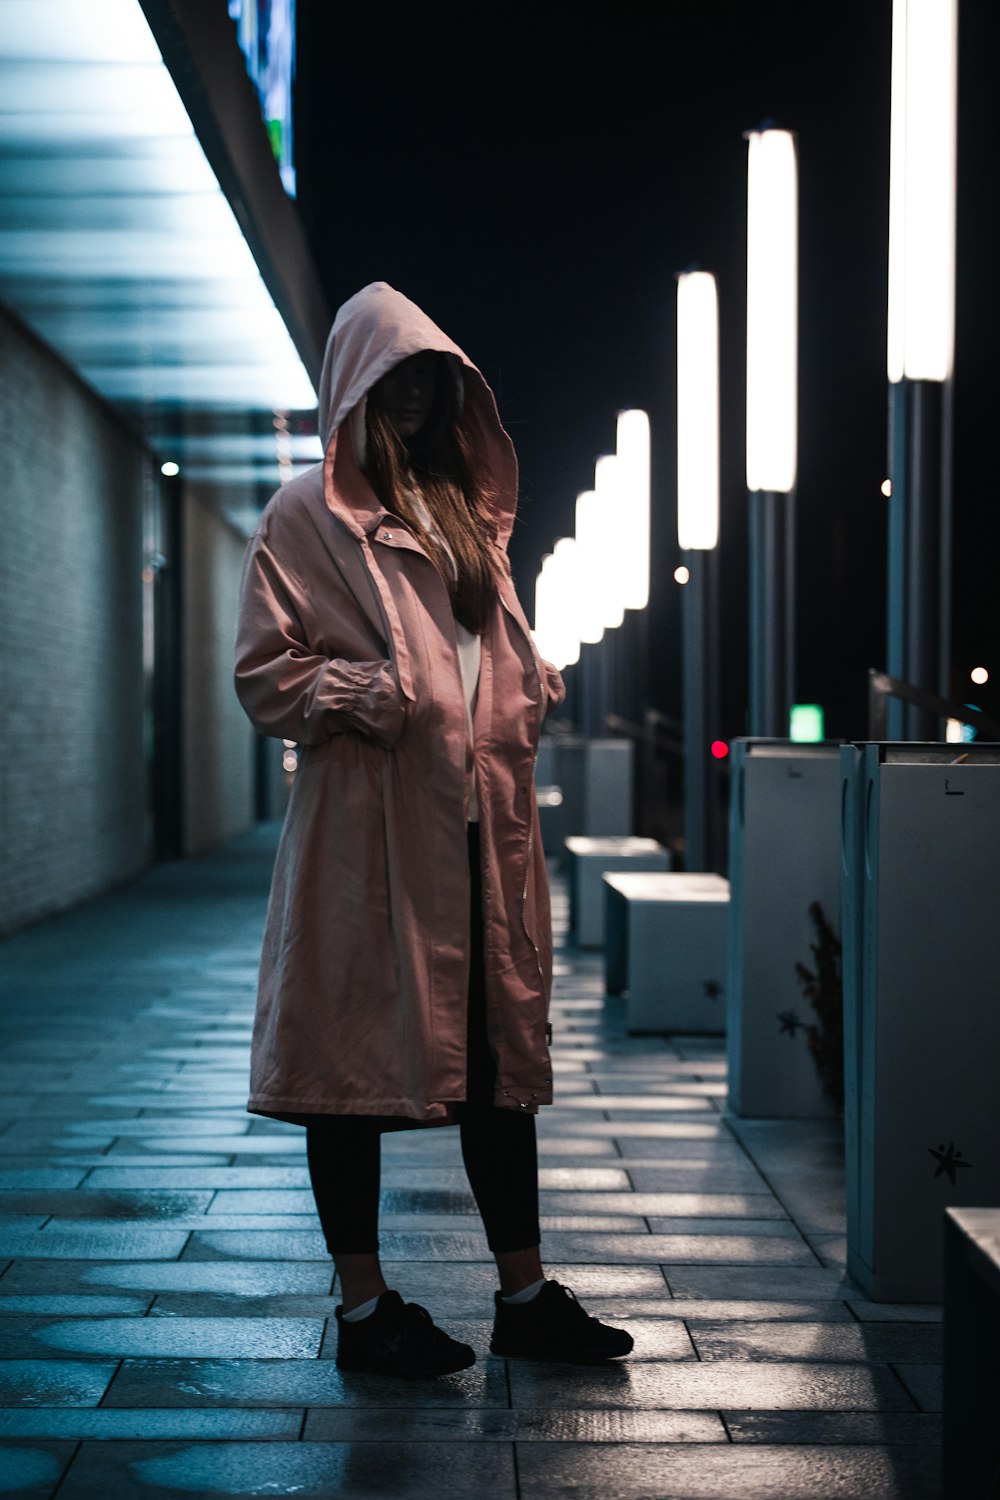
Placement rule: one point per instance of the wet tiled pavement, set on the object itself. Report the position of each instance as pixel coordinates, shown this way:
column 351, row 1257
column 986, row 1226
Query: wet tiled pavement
column 168, row 1302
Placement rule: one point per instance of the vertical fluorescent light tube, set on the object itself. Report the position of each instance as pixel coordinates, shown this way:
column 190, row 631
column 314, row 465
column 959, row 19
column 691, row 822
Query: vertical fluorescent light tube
column 772, row 312
column 591, row 535
column 921, row 322
column 553, row 632
column 542, row 628
column 697, row 411
column 562, row 582
column 612, row 537
column 566, row 555
column 589, row 569
column 632, row 453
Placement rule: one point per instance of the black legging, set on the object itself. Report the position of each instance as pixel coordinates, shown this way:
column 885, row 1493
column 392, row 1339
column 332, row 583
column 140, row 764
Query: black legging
column 498, row 1145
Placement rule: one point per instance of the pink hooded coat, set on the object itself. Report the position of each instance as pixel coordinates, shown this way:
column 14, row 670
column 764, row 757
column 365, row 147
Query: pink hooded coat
column 347, row 645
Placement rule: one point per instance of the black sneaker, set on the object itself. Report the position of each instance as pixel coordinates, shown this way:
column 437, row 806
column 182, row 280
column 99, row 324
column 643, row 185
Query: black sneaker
column 553, row 1325
column 399, row 1338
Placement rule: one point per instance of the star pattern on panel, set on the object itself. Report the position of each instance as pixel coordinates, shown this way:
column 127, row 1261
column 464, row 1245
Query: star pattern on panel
column 711, row 989
column 948, row 1161
column 789, row 1023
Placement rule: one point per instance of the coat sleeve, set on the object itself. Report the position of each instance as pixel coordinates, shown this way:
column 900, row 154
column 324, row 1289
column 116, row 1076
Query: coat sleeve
column 289, row 691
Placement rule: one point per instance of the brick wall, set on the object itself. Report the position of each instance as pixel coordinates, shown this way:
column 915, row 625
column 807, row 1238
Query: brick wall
column 218, row 740
column 73, row 806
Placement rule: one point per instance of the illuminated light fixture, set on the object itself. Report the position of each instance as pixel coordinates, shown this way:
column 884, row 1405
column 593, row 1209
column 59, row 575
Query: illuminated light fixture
column 806, row 723
column 953, row 732
column 170, row 469
column 553, row 632
column 772, row 315
column 632, row 454
column 719, row 749
column 697, row 412
column 597, row 533
column 578, row 615
column 129, row 209
column 682, row 575
column 979, row 676
column 886, row 488
column 590, row 569
column 921, row 322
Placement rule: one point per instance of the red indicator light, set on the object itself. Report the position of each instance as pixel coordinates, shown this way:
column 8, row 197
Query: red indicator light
column 720, row 749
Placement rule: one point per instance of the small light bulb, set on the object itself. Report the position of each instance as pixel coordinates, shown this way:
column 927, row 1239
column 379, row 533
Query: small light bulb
column 720, row 749
column 886, row 487
column 170, row 469
column 682, row 574
column 979, row 675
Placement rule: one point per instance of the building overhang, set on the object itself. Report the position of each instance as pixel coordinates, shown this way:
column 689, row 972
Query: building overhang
column 146, row 236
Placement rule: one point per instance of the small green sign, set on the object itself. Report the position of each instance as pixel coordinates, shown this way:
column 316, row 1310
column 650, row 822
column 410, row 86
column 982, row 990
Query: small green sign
column 806, row 724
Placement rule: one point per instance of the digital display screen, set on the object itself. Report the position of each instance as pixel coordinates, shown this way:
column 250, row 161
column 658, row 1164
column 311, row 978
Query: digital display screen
column 266, row 31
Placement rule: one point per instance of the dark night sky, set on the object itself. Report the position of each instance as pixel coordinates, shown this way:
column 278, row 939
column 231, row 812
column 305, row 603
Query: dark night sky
column 536, row 178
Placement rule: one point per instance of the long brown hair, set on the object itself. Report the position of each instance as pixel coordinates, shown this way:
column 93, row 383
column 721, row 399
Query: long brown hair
column 441, row 464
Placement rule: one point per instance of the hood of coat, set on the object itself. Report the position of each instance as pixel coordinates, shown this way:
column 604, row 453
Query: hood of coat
column 373, row 331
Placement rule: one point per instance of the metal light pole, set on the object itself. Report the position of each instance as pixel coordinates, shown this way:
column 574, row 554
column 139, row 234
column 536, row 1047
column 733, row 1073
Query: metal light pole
column 697, row 536
column 921, row 321
column 772, row 377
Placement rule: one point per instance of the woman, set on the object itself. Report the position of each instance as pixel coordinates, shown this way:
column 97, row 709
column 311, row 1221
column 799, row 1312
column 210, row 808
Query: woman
column 407, row 955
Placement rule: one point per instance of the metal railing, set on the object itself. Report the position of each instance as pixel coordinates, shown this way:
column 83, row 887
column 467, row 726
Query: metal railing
column 882, row 687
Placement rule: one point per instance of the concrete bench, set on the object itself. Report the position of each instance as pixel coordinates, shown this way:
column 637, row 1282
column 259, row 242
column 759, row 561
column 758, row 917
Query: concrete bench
column 971, row 1363
column 587, row 859
column 665, row 947
column 593, row 779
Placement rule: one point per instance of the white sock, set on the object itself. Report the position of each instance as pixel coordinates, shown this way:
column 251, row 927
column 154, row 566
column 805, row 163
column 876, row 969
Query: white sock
column 526, row 1294
column 365, row 1310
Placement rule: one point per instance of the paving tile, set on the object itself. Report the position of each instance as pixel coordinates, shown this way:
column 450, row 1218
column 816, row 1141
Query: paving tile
column 119, row 1206
column 891, row 1312
column 79, row 1423
column 310, row 1471
column 26, row 1179
column 172, row 1338
column 239, row 1279
column 193, row 1174
column 754, row 1283
column 773, row 1228
column 645, row 1472
column 882, row 1427
column 680, row 1249
column 573, row 1122
column 720, row 1385
column 755, row 1206
column 924, row 1382
column 693, row 1311
column 691, row 1177
column 94, row 1243
column 486, row 1424
column 70, row 1306
column 51, row 1382
column 400, row 1202
column 32, row 1472
column 879, row 1343
column 278, row 1383
column 125, row 1156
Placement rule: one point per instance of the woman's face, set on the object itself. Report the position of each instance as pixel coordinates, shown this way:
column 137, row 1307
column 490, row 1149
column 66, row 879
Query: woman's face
column 406, row 392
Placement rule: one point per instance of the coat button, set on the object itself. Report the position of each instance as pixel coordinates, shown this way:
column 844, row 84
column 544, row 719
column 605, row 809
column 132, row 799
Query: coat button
column 387, row 536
